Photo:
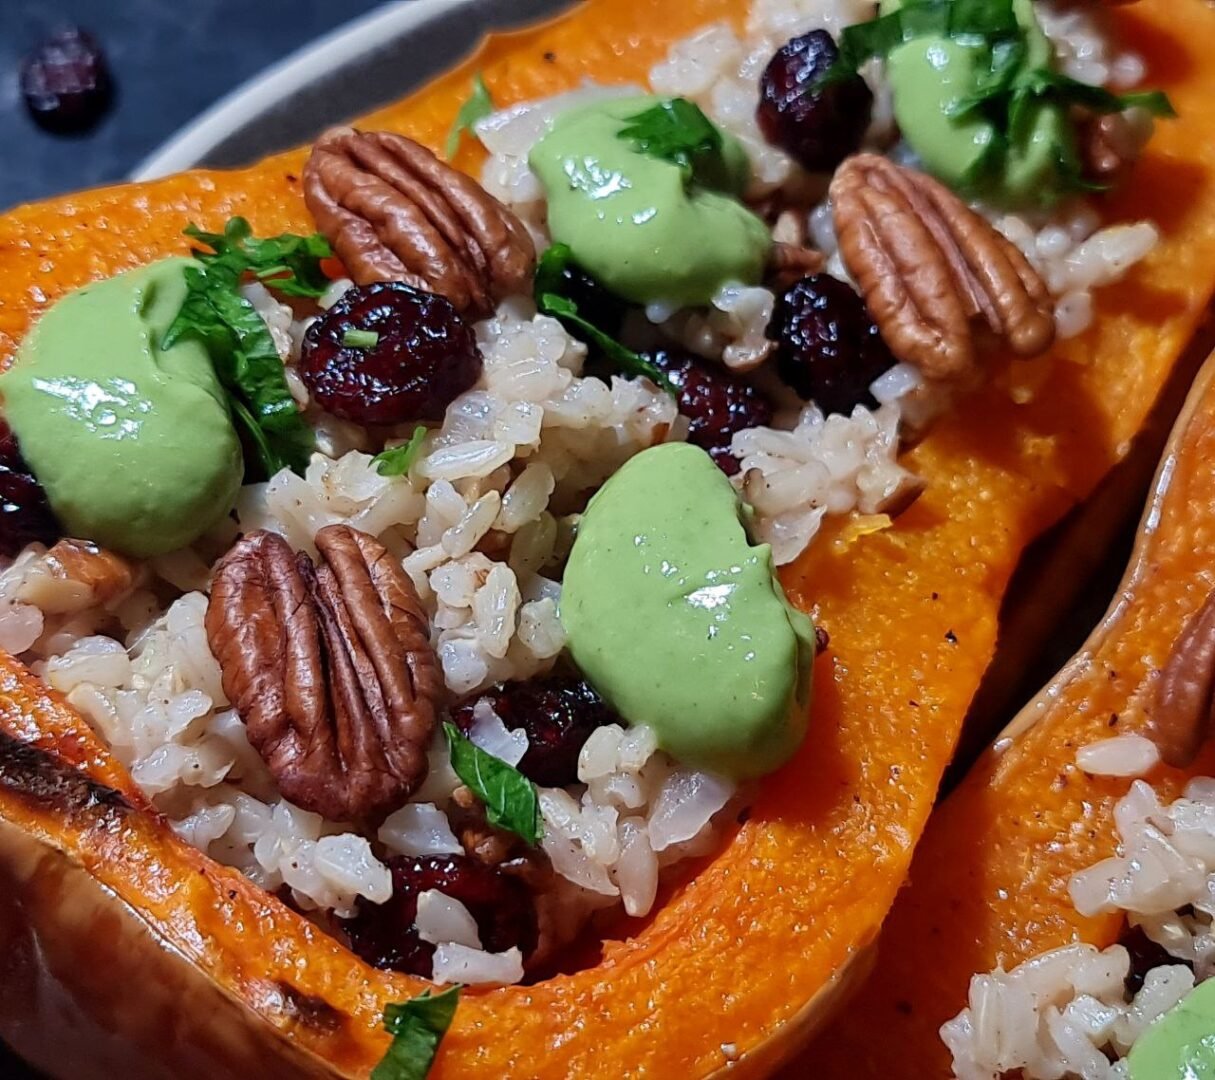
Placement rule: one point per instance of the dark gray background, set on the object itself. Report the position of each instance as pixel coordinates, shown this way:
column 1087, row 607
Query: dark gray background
column 170, row 59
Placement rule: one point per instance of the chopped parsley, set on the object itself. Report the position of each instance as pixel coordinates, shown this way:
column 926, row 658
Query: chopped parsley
column 398, row 460
column 477, row 107
column 360, row 339
column 1013, row 84
column 417, row 1027
column 237, row 338
column 987, row 21
column 676, row 130
column 550, row 301
column 510, row 798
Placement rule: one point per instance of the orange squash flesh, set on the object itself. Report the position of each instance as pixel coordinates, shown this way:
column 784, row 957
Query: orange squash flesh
column 741, row 952
column 989, row 880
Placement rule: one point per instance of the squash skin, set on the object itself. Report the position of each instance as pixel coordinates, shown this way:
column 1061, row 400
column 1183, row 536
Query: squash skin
column 988, row 881
column 73, row 954
column 912, row 614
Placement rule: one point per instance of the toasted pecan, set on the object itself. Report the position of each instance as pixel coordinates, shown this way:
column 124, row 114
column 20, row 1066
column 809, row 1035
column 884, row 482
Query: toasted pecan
column 395, row 212
column 1183, row 714
column 78, row 574
column 1110, row 144
column 929, row 267
column 330, row 667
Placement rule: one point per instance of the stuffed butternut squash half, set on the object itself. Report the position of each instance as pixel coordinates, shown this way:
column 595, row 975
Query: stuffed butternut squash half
column 493, row 593
column 1058, row 918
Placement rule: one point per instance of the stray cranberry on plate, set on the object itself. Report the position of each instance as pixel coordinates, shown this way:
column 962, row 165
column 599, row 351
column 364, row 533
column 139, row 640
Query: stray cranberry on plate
column 66, row 82
column 388, row 353
column 819, row 127
column 828, row 348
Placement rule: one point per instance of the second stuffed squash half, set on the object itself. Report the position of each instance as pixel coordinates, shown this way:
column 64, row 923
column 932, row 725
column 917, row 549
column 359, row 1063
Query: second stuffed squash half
column 439, row 567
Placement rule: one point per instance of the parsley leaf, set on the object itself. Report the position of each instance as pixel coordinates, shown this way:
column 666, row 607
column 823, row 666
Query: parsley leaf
column 988, row 20
column 360, row 339
column 550, row 301
column 1043, row 82
column 477, row 107
column 676, row 130
column 510, row 798
column 288, row 264
column 417, row 1027
column 398, row 460
column 1014, row 80
column 238, row 340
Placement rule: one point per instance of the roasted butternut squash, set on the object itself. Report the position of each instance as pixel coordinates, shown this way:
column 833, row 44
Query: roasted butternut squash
column 989, row 879
column 125, row 952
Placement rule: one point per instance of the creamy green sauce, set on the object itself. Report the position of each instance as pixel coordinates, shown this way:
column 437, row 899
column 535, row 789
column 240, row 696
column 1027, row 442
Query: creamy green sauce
column 1181, row 1044
column 929, row 76
column 637, row 223
column 133, row 444
column 680, row 622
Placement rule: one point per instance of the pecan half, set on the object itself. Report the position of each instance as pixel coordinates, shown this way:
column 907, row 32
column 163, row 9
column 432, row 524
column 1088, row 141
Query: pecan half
column 1184, row 713
column 78, row 574
column 477, row 836
column 330, row 667
column 1110, row 145
column 929, row 266
column 788, row 263
column 395, row 212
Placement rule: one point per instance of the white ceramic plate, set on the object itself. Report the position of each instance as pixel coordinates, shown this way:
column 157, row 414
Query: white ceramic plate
column 367, row 63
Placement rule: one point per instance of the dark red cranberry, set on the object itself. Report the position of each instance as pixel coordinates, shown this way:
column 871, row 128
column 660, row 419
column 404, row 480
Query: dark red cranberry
column 25, row 515
column 1145, row 955
column 422, row 357
column 828, row 348
column 819, row 127
column 716, row 401
column 66, row 82
column 558, row 713
column 385, row 936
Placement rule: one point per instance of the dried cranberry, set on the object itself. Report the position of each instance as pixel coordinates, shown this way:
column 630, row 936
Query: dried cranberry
column 718, row 403
column 558, row 713
column 66, row 82
column 828, row 348
column 25, row 515
column 819, row 127
column 385, row 936
column 424, row 355
column 1145, row 955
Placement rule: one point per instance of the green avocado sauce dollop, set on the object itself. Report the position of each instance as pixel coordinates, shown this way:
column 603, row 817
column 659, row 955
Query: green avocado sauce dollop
column 929, row 77
column 133, row 444
column 680, row 622
column 1181, row 1044
column 646, row 228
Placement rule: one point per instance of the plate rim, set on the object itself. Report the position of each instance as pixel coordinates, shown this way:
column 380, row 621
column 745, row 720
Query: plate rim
column 190, row 144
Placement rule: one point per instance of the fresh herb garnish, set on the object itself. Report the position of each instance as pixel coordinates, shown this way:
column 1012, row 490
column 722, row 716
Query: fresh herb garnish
column 1042, row 82
column 551, row 301
column 1013, row 86
column 417, row 1027
column 676, row 130
column 398, row 460
column 988, row 21
column 289, row 264
column 237, row 338
column 510, row 798
column 477, row 107
column 360, row 339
